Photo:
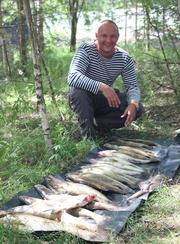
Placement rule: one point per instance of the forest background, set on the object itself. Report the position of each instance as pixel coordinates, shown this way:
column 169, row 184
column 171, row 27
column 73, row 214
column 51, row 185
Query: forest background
column 38, row 132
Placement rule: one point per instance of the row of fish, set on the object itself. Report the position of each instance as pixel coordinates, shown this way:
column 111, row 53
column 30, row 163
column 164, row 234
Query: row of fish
column 70, row 205
column 117, row 169
column 65, row 206
column 50, row 215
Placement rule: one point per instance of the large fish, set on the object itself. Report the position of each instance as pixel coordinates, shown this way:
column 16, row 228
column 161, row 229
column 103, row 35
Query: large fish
column 74, row 225
column 116, row 162
column 50, row 208
column 62, row 186
column 109, row 171
column 30, row 223
column 122, row 156
column 97, row 204
column 84, row 228
column 102, row 182
column 138, row 143
column 115, row 166
column 133, row 152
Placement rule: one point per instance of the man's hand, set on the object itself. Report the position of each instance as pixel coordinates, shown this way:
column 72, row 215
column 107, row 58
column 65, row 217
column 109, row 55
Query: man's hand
column 110, row 94
column 130, row 113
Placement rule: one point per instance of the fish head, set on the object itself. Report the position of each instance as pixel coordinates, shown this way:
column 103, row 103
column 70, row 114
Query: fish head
column 90, row 198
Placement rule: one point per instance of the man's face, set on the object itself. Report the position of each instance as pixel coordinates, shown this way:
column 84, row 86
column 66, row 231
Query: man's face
column 106, row 39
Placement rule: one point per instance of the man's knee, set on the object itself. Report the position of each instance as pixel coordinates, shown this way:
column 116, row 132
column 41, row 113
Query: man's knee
column 78, row 94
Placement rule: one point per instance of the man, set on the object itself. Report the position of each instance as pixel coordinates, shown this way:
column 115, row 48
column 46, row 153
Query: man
column 93, row 70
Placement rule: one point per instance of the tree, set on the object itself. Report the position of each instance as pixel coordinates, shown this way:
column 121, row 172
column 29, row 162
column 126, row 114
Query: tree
column 22, row 35
column 4, row 52
column 75, row 8
column 38, row 76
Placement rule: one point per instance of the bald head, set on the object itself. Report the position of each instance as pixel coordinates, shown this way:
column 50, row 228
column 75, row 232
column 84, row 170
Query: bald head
column 108, row 22
column 106, row 38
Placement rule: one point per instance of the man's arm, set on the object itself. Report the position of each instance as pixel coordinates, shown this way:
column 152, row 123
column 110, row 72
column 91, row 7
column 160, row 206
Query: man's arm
column 130, row 81
column 132, row 91
column 77, row 73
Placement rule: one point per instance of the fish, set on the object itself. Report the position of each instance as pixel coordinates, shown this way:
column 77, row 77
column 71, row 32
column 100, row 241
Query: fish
column 133, row 152
column 72, row 188
column 109, row 171
column 84, row 228
column 96, row 204
column 30, row 223
column 74, row 225
column 149, row 143
column 102, row 182
column 106, row 206
column 117, row 163
column 138, row 143
column 121, row 156
column 148, row 186
column 51, row 208
column 82, row 212
column 49, row 194
column 29, row 200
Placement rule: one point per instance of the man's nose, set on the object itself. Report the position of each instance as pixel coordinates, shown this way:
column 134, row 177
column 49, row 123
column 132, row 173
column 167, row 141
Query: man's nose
column 109, row 39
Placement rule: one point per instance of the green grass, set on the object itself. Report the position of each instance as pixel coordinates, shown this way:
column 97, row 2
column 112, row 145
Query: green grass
column 156, row 221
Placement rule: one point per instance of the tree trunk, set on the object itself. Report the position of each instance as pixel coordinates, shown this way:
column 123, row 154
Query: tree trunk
column 147, row 28
column 6, row 59
column 22, row 37
column 4, row 53
column 38, row 76
column 1, row 24
column 125, row 25
column 73, row 9
column 136, row 22
column 40, row 26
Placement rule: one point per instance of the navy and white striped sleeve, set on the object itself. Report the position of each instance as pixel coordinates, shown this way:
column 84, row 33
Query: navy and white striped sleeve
column 77, row 73
column 130, row 81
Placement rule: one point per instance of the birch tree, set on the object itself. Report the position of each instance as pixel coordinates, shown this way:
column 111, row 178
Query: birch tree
column 38, row 76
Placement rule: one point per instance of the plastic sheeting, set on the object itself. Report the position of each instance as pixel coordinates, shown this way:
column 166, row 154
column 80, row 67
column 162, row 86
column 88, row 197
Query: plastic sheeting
column 168, row 165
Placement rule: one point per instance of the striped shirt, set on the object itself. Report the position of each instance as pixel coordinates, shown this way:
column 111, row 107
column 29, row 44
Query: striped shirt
column 88, row 69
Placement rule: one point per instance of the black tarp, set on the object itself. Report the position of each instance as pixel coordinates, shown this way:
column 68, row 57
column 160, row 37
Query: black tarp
column 168, row 166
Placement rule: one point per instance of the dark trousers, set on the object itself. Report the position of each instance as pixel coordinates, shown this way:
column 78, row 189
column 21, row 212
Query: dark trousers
column 88, row 106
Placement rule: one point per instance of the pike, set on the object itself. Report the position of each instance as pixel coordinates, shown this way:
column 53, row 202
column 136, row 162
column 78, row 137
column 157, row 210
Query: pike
column 102, row 182
column 135, row 143
column 62, row 186
column 118, row 163
column 143, row 141
column 134, row 152
column 109, row 171
column 119, row 155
